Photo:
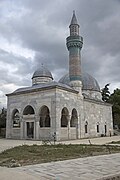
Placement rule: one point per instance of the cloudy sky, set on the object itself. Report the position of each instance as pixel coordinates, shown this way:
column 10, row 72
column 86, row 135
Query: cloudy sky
column 33, row 32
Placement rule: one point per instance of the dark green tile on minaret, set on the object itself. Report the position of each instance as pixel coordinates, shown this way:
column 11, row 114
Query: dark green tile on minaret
column 74, row 51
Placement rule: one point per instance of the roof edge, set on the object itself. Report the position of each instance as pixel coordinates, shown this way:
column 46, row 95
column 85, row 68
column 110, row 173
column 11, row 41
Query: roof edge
column 42, row 88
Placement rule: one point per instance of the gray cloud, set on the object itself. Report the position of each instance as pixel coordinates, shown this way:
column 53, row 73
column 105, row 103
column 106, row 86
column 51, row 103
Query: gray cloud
column 42, row 27
column 14, row 69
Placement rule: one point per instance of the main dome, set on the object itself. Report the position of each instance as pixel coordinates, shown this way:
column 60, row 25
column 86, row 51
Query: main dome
column 88, row 82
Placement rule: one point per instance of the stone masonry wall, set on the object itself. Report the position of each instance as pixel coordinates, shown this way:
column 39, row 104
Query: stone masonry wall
column 97, row 113
column 92, row 112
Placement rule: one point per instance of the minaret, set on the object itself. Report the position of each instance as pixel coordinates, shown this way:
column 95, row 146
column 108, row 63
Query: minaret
column 74, row 44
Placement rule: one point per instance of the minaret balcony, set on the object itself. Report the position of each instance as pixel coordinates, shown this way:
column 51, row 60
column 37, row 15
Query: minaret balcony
column 74, row 41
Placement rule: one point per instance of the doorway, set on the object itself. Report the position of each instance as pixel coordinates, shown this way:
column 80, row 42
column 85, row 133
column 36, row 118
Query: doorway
column 30, row 130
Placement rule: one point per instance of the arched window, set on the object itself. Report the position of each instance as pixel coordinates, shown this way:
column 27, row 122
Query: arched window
column 44, row 117
column 105, row 128
column 98, row 129
column 28, row 110
column 86, row 127
column 64, row 117
column 16, row 118
column 74, row 118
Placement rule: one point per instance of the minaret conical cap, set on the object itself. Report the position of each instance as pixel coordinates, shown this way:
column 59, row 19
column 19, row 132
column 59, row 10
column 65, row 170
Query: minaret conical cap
column 74, row 19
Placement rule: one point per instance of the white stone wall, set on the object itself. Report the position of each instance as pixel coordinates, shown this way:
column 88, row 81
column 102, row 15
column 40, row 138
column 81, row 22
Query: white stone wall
column 39, row 80
column 92, row 94
column 56, row 99
column 45, row 133
column 34, row 99
column 97, row 113
column 69, row 100
column 16, row 133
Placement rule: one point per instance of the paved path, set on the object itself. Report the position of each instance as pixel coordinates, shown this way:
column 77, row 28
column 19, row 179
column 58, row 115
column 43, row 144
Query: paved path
column 10, row 143
column 90, row 168
column 13, row 174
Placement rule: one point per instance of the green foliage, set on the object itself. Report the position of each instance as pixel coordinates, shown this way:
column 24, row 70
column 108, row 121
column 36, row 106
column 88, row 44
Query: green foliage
column 115, row 100
column 3, row 118
column 105, row 93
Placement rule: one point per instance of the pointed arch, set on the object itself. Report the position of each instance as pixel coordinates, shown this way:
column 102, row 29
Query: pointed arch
column 86, row 127
column 64, row 117
column 28, row 110
column 98, row 127
column 74, row 118
column 16, row 118
column 44, row 117
column 105, row 128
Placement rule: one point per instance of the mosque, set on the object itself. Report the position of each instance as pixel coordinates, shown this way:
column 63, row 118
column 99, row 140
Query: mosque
column 71, row 108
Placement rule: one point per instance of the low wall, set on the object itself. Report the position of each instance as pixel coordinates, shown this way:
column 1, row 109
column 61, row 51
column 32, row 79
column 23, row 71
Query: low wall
column 44, row 133
column 16, row 133
column 68, row 134
column 72, row 133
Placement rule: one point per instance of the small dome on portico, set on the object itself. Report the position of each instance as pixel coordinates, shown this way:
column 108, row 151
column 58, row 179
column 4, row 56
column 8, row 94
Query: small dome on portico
column 41, row 75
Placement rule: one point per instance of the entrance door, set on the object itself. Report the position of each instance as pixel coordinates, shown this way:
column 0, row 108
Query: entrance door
column 30, row 129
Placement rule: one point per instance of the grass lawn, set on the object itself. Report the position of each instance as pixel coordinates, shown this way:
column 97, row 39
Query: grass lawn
column 26, row 155
column 115, row 142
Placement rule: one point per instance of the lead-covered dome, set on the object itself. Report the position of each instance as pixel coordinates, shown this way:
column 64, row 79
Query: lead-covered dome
column 42, row 75
column 88, row 82
column 90, row 87
column 42, row 72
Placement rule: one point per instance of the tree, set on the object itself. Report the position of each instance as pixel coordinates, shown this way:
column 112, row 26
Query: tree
column 3, row 118
column 114, row 99
column 105, row 93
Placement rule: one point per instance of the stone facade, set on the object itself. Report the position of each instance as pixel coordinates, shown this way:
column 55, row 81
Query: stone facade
column 90, row 113
column 69, row 109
